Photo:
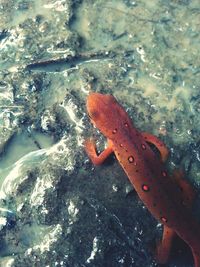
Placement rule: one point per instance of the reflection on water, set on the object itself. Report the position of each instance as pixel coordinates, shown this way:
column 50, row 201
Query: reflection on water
column 19, row 146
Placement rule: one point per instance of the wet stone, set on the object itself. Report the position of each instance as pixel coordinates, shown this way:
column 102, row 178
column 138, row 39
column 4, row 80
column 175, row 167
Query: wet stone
column 56, row 208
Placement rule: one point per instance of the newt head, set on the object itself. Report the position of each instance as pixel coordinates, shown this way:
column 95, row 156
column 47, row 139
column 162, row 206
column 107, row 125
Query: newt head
column 106, row 114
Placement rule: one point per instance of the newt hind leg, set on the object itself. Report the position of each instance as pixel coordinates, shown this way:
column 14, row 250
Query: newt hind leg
column 164, row 247
column 187, row 194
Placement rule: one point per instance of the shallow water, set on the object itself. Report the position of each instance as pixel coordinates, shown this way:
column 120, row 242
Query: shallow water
column 19, row 146
column 52, row 54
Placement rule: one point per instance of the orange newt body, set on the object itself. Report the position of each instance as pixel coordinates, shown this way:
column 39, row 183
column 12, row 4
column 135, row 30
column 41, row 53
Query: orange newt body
column 169, row 199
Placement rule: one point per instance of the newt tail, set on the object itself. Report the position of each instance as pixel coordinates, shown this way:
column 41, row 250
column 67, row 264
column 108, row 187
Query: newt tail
column 168, row 198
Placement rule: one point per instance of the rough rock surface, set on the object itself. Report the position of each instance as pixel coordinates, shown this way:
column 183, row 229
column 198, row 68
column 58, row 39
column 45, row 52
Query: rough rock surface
column 56, row 209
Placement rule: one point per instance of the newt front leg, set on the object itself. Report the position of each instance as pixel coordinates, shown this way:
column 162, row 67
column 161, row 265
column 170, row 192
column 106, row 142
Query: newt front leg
column 90, row 149
column 158, row 143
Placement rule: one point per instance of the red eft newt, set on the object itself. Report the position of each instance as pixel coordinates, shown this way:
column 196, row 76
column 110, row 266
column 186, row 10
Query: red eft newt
column 168, row 198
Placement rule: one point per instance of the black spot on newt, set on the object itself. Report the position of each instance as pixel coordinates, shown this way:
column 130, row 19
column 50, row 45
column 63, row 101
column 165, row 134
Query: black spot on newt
column 114, row 131
column 145, row 188
column 163, row 219
column 131, row 159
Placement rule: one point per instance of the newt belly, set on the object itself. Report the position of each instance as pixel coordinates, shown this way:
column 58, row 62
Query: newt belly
column 169, row 199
